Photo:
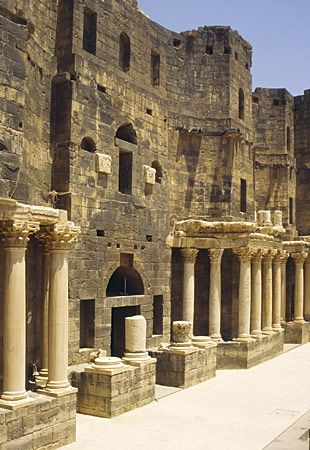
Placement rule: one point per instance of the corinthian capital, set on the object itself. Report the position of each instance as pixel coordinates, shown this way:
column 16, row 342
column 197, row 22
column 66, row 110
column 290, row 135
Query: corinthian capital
column 258, row 254
column 299, row 257
column 15, row 233
column 244, row 254
column 59, row 236
column 189, row 254
column 269, row 255
column 215, row 255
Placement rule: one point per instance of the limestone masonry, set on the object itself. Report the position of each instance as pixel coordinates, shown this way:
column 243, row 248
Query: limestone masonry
column 140, row 178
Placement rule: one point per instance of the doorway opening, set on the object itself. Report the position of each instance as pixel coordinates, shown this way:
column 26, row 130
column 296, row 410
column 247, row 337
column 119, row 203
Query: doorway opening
column 118, row 328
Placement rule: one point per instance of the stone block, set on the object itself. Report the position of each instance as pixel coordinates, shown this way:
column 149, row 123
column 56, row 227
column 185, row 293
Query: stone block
column 103, row 163
column 149, row 175
column 296, row 333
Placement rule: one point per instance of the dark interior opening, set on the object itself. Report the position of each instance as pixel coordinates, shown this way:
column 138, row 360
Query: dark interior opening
column 89, row 31
column 125, row 281
column 88, row 144
column 242, row 195
column 241, row 104
column 87, row 323
column 125, row 172
column 158, row 305
column 291, row 210
column 209, row 50
column 124, row 52
column 155, row 68
column 159, row 171
column 118, row 328
column 127, row 133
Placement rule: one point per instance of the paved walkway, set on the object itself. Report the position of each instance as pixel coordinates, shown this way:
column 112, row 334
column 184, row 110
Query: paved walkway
column 238, row 410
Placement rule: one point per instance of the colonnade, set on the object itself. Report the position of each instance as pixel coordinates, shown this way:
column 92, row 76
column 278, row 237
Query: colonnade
column 56, row 240
column 262, row 290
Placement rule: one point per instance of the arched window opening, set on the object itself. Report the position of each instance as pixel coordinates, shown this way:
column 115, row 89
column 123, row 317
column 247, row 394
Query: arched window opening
column 241, row 104
column 125, row 281
column 88, row 144
column 124, row 52
column 159, row 171
column 127, row 133
column 288, row 139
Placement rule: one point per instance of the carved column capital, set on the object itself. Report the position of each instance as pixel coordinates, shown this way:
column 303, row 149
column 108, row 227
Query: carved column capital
column 307, row 260
column 58, row 236
column 244, row 253
column 189, row 255
column 215, row 255
column 299, row 258
column 269, row 255
column 15, row 233
column 278, row 256
column 284, row 257
column 257, row 255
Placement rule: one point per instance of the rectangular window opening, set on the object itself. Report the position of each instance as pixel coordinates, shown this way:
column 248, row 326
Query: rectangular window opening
column 89, row 31
column 125, row 172
column 158, row 304
column 291, row 212
column 155, row 68
column 149, row 111
column 176, row 43
column 148, row 238
column 87, row 323
column 101, row 88
column 242, row 195
column 100, row 233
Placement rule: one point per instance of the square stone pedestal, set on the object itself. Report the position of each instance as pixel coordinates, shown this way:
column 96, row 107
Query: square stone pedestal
column 109, row 393
column 185, row 368
column 243, row 355
column 296, row 333
column 45, row 422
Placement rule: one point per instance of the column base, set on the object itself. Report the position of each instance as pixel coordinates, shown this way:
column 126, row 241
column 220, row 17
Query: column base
column 299, row 320
column 216, row 337
column 14, row 396
column 267, row 330
column 258, row 335
column 277, row 328
column 42, row 379
column 244, row 339
column 15, row 404
column 57, row 392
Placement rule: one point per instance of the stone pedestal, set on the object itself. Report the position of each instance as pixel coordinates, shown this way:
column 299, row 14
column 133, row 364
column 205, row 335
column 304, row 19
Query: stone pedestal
column 296, row 332
column 243, row 355
column 109, row 388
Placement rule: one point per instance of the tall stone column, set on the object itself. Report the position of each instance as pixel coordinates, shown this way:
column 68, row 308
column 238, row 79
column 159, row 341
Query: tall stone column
column 244, row 304
column 284, row 258
column 215, row 294
column 16, row 235
column 58, row 239
column 256, row 291
column 276, row 277
column 267, row 292
column 189, row 258
column 307, row 289
column 299, row 259
column 41, row 379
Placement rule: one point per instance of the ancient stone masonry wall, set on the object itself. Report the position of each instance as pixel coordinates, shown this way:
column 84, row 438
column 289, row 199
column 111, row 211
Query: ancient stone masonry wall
column 302, row 155
column 275, row 167
column 28, row 46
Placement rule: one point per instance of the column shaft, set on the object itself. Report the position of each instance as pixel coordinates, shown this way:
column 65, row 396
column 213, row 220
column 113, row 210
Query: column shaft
column 307, row 290
column 299, row 287
column 283, row 289
column 276, row 310
column 244, row 304
column 215, row 294
column 189, row 257
column 45, row 275
column 267, row 295
column 256, row 301
column 14, row 325
column 58, row 321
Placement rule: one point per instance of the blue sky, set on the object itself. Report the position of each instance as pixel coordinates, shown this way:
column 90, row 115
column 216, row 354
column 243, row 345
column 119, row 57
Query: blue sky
column 278, row 30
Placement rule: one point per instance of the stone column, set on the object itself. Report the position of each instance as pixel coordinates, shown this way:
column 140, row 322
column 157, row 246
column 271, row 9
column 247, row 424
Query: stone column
column 283, row 286
column 41, row 379
column 299, row 259
column 244, row 305
column 16, row 235
column 215, row 294
column 267, row 292
column 307, row 289
column 189, row 258
column 256, row 291
column 276, row 276
column 135, row 340
column 58, row 239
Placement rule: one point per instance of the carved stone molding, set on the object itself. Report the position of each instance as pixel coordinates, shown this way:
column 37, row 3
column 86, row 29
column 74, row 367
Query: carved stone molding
column 299, row 258
column 215, row 255
column 269, row 255
column 189, row 255
column 15, row 233
column 244, row 254
column 59, row 236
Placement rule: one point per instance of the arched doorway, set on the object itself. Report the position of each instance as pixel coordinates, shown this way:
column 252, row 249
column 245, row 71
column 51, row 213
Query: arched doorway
column 125, row 288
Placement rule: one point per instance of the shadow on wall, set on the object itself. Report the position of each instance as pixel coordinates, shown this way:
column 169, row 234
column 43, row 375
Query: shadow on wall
column 189, row 146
